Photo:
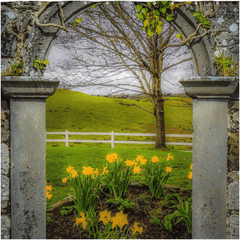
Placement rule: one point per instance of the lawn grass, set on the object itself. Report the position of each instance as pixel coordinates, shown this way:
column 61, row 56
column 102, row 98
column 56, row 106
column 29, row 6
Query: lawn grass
column 60, row 157
column 79, row 112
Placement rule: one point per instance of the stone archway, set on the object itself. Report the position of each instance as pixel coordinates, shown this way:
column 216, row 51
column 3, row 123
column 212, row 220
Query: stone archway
column 39, row 43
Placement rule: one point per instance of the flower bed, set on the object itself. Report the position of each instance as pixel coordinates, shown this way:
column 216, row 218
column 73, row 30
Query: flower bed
column 116, row 210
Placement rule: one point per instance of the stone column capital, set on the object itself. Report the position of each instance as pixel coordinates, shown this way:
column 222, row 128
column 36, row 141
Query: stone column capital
column 210, row 87
column 28, row 87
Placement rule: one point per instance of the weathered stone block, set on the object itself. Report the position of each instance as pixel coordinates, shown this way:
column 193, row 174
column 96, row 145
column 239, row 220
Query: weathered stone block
column 4, row 205
column 233, row 193
column 5, row 227
column 234, row 138
column 4, row 188
column 236, row 117
column 4, row 159
column 236, row 105
column 234, row 227
column 4, row 121
column 234, row 175
column 233, row 162
column 8, row 39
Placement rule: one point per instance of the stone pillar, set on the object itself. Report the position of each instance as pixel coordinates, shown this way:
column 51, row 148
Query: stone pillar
column 210, row 107
column 28, row 154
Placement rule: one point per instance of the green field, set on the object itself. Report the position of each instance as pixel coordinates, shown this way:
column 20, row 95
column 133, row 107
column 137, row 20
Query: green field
column 78, row 112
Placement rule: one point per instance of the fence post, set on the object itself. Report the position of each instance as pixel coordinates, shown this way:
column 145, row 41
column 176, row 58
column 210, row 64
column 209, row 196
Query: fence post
column 66, row 138
column 112, row 139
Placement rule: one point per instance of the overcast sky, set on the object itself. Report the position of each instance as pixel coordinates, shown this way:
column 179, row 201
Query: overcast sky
column 57, row 55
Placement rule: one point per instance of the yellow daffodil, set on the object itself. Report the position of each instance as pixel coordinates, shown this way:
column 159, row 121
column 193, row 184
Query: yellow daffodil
column 65, row 179
column 128, row 163
column 155, row 159
column 190, row 175
column 105, row 217
column 87, row 170
column 69, row 169
column 96, row 171
column 111, row 157
column 48, row 195
column 82, row 220
column 120, row 219
column 168, row 169
column 135, row 228
column 191, row 166
column 134, row 163
column 105, row 171
column 139, row 158
column 169, row 157
column 48, row 189
column 136, row 169
column 143, row 161
column 74, row 173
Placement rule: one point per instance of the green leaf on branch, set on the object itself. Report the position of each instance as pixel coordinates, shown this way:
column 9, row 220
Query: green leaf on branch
column 164, row 3
column 20, row 65
column 163, row 10
column 160, row 23
column 159, row 29
column 46, row 62
column 156, row 12
column 144, row 11
column 153, row 23
column 140, row 16
column 150, row 32
column 139, row 7
column 146, row 22
column 79, row 20
column 169, row 17
column 94, row 5
column 180, row 36
column 205, row 22
column 197, row 15
column 149, row 4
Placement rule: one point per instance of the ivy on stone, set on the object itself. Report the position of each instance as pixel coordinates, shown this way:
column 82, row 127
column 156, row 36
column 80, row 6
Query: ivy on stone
column 152, row 13
column 39, row 64
column 204, row 20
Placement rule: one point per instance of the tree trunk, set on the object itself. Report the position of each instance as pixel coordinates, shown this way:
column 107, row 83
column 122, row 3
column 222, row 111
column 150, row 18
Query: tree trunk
column 160, row 125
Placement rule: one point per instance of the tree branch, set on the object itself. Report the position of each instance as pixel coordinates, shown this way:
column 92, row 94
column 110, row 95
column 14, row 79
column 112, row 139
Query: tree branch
column 190, row 37
column 127, row 104
column 51, row 24
column 184, row 60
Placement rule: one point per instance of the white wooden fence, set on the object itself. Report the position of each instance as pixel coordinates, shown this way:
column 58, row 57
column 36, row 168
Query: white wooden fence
column 112, row 141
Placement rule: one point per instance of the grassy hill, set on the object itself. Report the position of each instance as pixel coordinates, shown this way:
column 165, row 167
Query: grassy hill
column 79, row 112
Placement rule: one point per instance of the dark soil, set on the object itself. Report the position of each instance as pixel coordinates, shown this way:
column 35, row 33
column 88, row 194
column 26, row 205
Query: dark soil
column 62, row 227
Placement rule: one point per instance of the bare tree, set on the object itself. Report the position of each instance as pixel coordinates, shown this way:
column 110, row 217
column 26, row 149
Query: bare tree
column 109, row 41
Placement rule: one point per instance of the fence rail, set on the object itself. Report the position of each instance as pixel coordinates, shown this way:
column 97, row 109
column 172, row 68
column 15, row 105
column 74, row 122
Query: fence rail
column 112, row 141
